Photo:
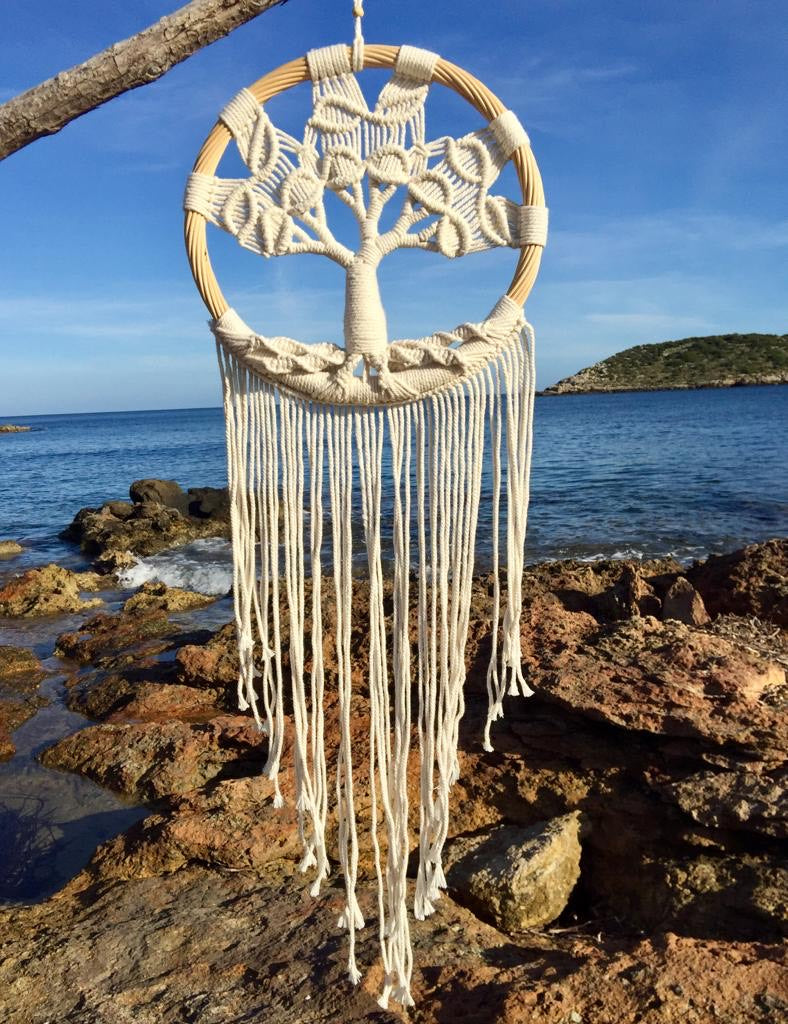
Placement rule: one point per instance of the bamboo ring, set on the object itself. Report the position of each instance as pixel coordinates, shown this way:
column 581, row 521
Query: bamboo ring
column 294, row 73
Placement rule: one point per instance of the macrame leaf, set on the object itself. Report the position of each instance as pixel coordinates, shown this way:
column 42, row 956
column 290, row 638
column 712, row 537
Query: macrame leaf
column 389, row 165
column 261, row 151
column 469, row 159
column 337, row 115
column 300, row 192
column 240, row 211
column 341, row 167
column 452, row 236
column 276, row 231
column 497, row 219
column 432, row 190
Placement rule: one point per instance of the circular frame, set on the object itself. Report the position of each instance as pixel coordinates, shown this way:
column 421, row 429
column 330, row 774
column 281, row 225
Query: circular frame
column 377, row 56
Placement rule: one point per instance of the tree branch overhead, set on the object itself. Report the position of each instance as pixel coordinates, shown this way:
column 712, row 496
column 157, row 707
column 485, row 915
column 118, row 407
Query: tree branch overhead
column 138, row 60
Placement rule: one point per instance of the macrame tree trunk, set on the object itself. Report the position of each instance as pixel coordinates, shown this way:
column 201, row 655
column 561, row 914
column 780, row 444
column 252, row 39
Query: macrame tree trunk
column 287, row 455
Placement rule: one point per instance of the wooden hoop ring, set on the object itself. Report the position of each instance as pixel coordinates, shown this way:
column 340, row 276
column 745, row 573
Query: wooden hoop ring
column 294, row 73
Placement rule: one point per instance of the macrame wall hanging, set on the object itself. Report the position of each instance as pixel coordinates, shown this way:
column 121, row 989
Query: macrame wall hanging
column 306, row 429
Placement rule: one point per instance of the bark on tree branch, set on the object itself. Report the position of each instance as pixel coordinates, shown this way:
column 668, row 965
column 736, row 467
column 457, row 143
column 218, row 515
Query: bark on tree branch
column 48, row 107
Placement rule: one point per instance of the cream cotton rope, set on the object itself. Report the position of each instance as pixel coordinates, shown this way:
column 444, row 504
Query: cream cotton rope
column 307, row 429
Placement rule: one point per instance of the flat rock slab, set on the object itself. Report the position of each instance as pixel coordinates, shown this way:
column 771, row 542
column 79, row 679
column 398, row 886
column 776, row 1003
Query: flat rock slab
column 216, row 947
column 234, row 825
column 671, row 680
column 104, row 639
column 149, row 760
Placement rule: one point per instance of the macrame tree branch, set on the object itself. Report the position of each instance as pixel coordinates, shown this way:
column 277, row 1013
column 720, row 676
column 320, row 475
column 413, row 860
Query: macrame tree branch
column 133, row 62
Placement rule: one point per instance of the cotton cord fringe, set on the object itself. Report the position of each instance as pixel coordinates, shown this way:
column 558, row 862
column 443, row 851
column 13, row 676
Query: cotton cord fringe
column 295, row 463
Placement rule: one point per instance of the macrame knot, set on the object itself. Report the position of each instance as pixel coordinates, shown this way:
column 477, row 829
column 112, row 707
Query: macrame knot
column 532, row 225
column 328, row 62
column 416, row 63
column 509, row 133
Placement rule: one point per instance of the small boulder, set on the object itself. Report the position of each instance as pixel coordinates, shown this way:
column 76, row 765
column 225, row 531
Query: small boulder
column 160, row 492
column 50, row 590
column 517, row 878
column 683, row 603
column 214, row 663
column 119, row 509
column 10, row 549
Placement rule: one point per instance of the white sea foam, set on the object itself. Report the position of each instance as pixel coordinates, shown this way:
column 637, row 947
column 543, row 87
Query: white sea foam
column 203, row 565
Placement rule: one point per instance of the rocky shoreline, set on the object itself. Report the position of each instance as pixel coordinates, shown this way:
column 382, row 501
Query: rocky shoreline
column 716, row 361
column 575, row 386
column 647, row 777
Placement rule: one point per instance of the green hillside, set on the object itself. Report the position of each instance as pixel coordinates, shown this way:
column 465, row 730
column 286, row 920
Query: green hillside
column 719, row 360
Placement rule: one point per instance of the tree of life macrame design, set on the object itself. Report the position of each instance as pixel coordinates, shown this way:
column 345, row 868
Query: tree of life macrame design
column 306, row 429
column 365, row 157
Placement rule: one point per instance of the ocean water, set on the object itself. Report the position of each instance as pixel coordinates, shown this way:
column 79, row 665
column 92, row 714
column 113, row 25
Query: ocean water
column 641, row 475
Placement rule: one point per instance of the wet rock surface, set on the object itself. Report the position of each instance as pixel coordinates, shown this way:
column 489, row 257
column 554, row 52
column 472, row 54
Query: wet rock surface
column 161, row 515
column 665, row 737
column 159, row 597
column 20, row 669
column 50, row 590
column 10, row 549
column 14, row 713
column 21, row 673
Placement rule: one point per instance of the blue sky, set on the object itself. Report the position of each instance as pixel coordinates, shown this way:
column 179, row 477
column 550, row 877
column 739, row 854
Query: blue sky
column 659, row 127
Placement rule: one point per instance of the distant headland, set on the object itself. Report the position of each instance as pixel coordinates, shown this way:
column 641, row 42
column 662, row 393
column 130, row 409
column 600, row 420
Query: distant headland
column 716, row 361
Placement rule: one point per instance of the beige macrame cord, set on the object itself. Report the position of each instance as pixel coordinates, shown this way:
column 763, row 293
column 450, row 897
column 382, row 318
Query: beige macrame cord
column 307, row 427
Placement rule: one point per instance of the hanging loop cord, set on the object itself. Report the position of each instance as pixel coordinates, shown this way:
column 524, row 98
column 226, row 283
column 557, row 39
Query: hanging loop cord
column 358, row 38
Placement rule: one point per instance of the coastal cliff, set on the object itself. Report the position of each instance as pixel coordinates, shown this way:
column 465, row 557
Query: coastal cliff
column 716, row 361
